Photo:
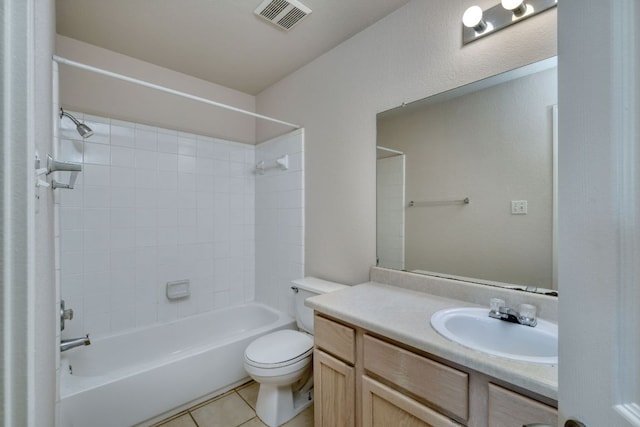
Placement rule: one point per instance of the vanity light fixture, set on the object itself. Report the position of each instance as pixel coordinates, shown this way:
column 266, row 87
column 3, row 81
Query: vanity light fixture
column 517, row 7
column 472, row 18
column 477, row 23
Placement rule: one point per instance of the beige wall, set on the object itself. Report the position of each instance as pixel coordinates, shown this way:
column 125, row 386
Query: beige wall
column 413, row 53
column 493, row 146
column 104, row 96
column 390, row 205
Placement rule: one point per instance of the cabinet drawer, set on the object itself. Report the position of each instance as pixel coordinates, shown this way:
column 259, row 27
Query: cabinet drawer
column 507, row 408
column 441, row 385
column 335, row 338
column 383, row 406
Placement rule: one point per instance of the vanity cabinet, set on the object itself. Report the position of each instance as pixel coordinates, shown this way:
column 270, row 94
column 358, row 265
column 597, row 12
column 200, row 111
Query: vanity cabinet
column 365, row 380
column 334, row 374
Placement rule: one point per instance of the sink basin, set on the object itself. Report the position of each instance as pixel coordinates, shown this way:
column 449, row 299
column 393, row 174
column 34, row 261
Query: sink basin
column 473, row 328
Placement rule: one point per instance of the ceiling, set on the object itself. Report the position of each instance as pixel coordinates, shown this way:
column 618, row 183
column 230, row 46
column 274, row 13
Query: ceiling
column 220, row 41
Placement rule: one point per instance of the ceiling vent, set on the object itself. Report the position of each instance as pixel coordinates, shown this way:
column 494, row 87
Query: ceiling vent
column 285, row 14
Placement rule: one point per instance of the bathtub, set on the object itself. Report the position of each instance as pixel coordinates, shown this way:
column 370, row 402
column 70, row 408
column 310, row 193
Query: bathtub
column 130, row 377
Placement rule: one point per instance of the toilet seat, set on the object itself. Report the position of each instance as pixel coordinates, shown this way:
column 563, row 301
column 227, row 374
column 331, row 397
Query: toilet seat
column 279, row 349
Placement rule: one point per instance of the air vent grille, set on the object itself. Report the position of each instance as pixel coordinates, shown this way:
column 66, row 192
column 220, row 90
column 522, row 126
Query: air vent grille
column 274, row 9
column 285, row 14
column 291, row 18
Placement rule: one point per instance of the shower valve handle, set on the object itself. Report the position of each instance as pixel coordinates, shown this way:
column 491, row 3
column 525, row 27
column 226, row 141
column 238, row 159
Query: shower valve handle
column 64, row 314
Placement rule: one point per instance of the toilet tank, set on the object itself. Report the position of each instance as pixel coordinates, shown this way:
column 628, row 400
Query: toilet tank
column 309, row 287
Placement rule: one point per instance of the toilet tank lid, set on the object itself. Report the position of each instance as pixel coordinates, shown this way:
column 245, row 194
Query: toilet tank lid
column 318, row 286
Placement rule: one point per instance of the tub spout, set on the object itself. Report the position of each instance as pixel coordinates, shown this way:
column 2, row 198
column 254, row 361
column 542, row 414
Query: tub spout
column 74, row 342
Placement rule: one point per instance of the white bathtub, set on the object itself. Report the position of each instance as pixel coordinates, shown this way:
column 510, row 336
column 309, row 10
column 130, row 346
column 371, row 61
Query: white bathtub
column 127, row 378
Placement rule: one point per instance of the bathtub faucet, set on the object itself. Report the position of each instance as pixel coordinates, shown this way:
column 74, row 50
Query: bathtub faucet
column 74, row 342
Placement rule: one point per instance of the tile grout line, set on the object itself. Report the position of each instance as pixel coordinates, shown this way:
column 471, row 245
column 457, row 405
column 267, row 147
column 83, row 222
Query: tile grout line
column 206, row 402
column 248, row 421
column 192, row 418
column 245, row 401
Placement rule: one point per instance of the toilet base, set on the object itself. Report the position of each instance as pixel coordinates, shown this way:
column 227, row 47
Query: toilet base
column 278, row 404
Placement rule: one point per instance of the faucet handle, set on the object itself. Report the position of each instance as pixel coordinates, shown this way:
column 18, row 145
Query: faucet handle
column 527, row 314
column 495, row 304
column 65, row 314
column 527, row 310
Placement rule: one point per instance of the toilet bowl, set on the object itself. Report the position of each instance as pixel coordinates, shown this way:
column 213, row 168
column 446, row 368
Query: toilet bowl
column 277, row 361
column 281, row 361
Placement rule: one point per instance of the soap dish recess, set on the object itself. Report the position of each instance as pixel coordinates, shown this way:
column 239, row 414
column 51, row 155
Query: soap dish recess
column 178, row 289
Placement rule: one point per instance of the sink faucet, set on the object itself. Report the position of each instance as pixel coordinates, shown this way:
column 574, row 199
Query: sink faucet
column 74, row 342
column 526, row 316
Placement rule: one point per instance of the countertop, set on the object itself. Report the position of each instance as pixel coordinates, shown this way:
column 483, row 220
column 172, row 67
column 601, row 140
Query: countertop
column 404, row 315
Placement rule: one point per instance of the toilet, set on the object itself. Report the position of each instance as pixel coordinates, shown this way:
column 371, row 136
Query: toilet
column 281, row 361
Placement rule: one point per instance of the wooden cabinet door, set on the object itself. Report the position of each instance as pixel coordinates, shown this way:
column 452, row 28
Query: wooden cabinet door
column 510, row 409
column 334, row 391
column 383, row 406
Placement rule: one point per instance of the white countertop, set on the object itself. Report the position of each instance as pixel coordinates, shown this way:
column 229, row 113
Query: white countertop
column 404, row 315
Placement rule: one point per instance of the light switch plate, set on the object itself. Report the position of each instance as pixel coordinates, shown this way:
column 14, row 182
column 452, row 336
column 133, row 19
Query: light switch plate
column 518, row 207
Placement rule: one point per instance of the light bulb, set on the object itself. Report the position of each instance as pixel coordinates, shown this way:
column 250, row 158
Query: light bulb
column 518, row 7
column 472, row 18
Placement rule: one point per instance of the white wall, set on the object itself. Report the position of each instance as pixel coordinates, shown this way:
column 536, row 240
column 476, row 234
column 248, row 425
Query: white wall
column 599, row 248
column 27, row 291
column 45, row 310
column 153, row 205
column 413, row 53
column 493, row 146
column 280, row 220
column 105, row 96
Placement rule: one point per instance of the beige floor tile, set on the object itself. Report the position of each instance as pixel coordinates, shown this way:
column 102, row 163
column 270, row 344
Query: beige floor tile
column 181, row 421
column 303, row 419
column 254, row 422
column 250, row 393
column 206, row 402
column 228, row 411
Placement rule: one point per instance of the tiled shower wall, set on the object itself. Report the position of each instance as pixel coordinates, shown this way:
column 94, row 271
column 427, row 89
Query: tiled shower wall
column 150, row 206
column 280, row 220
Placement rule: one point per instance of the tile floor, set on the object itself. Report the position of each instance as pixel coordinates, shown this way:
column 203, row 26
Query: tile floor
column 232, row 409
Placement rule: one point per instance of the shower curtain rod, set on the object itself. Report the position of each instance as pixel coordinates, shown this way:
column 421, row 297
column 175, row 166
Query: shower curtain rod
column 96, row 70
column 390, row 150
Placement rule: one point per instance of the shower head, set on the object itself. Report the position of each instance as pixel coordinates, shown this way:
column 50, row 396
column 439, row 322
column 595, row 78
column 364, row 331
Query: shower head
column 84, row 130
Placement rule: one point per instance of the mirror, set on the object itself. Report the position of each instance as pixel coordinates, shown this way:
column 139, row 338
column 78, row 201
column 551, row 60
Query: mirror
column 466, row 178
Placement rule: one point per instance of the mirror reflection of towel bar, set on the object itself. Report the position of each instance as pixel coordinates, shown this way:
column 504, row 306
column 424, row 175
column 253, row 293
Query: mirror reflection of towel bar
column 464, row 201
